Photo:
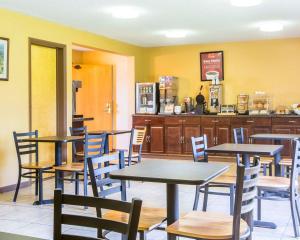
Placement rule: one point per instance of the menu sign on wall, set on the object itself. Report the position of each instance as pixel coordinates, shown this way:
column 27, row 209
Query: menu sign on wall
column 211, row 64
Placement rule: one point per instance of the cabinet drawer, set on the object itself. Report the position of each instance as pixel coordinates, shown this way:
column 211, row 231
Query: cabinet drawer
column 147, row 120
column 286, row 121
column 215, row 120
column 173, row 120
column 261, row 121
column 191, row 120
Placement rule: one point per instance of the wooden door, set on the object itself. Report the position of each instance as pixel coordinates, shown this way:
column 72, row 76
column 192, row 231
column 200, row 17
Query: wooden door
column 222, row 134
column 287, row 150
column 95, row 98
column 173, row 134
column 188, row 132
column 210, row 133
column 156, row 138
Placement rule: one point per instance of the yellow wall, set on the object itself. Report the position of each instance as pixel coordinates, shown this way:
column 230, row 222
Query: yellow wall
column 14, row 97
column 43, row 87
column 271, row 66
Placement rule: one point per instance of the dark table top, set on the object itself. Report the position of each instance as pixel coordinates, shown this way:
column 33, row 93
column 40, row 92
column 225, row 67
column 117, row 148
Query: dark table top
column 171, row 171
column 62, row 139
column 246, row 149
column 275, row 136
column 110, row 132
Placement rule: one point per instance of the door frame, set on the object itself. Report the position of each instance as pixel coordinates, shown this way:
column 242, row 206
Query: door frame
column 61, row 84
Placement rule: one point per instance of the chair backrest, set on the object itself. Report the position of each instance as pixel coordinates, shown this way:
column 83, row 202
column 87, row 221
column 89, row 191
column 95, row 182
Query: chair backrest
column 94, row 145
column 199, row 144
column 295, row 166
column 26, row 148
column 128, row 229
column 79, row 131
column 136, row 140
column 99, row 169
column 238, row 137
column 245, row 194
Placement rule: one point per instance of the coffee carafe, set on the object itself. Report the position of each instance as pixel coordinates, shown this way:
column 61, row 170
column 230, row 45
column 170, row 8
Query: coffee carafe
column 200, row 99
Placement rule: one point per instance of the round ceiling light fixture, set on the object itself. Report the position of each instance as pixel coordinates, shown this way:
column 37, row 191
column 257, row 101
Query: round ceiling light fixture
column 176, row 33
column 245, row 3
column 125, row 12
column 273, row 26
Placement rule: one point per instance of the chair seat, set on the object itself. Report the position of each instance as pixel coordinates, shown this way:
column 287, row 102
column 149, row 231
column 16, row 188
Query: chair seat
column 206, row 225
column 79, row 154
column 73, row 167
column 41, row 165
column 149, row 218
column 264, row 160
column 286, row 162
column 270, row 182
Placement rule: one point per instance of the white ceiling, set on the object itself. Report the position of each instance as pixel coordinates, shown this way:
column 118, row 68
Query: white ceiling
column 207, row 20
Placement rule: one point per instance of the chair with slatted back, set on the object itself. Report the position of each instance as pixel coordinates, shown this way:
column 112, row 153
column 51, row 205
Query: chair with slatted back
column 77, row 147
column 93, row 147
column 283, row 189
column 103, row 186
column 136, row 143
column 128, row 229
column 34, row 168
column 266, row 163
column 227, row 180
column 206, row 225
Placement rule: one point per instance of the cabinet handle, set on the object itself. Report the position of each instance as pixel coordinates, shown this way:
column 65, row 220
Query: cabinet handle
column 183, row 139
column 250, row 121
column 216, row 140
column 149, row 139
column 147, row 120
column 292, row 121
column 215, row 121
column 179, row 140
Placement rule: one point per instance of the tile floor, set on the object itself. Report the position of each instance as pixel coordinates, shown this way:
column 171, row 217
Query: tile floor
column 24, row 218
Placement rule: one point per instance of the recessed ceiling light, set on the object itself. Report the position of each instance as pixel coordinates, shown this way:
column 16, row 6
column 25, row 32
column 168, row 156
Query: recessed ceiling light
column 125, row 12
column 176, row 33
column 245, row 3
column 271, row 26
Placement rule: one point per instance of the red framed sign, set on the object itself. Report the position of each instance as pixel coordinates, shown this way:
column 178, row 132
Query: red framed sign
column 212, row 65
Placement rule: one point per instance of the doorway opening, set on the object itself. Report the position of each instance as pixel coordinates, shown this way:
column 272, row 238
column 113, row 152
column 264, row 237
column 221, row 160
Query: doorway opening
column 47, row 91
column 103, row 89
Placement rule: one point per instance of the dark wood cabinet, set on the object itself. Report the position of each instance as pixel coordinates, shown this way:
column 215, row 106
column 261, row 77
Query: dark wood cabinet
column 172, row 134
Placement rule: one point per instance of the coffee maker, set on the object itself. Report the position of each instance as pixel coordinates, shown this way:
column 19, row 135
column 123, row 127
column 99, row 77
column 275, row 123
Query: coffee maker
column 215, row 98
column 200, row 106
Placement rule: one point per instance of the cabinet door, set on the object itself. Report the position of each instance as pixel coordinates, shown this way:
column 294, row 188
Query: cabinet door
column 210, row 134
column 145, row 147
column 222, row 134
column 173, row 137
column 156, row 138
column 256, row 130
column 188, row 132
column 287, row 150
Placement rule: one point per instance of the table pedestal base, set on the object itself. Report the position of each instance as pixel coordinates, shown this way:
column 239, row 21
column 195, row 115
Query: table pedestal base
column 263, row 224
column 172, row 206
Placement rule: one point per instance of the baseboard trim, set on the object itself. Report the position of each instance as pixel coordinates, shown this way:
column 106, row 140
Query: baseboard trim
column 12, row 187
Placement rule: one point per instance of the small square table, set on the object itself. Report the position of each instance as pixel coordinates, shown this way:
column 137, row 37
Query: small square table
column 172, row 173
column 278, row 139
column 58, row 141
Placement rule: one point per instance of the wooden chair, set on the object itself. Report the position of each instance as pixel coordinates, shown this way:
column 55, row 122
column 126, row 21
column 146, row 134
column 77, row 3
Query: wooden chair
column 283, row 188
column 99, row 174
column 128, row 229
column 205, row 225
column 77, row 147
column 134, row 154
column 227, row 180
column 266, row 163
column 34, row 168
column 93, row 147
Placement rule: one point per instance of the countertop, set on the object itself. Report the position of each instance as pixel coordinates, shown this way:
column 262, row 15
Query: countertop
column 81, row 119
column 214, row 115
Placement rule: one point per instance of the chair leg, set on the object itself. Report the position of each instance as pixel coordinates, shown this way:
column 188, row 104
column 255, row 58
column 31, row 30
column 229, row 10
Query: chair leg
column 143, row 235
column 197, row 196
column 76, row 183
column 282, row 170
column 294, row 214
column 231, row 199
column 85, row 183
column 36, row 183
column 40, row 173
column 17, row 188
column 264, row 169
column 205, row 199
column 298, row 209
column 258, row 204
column 270, row 169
